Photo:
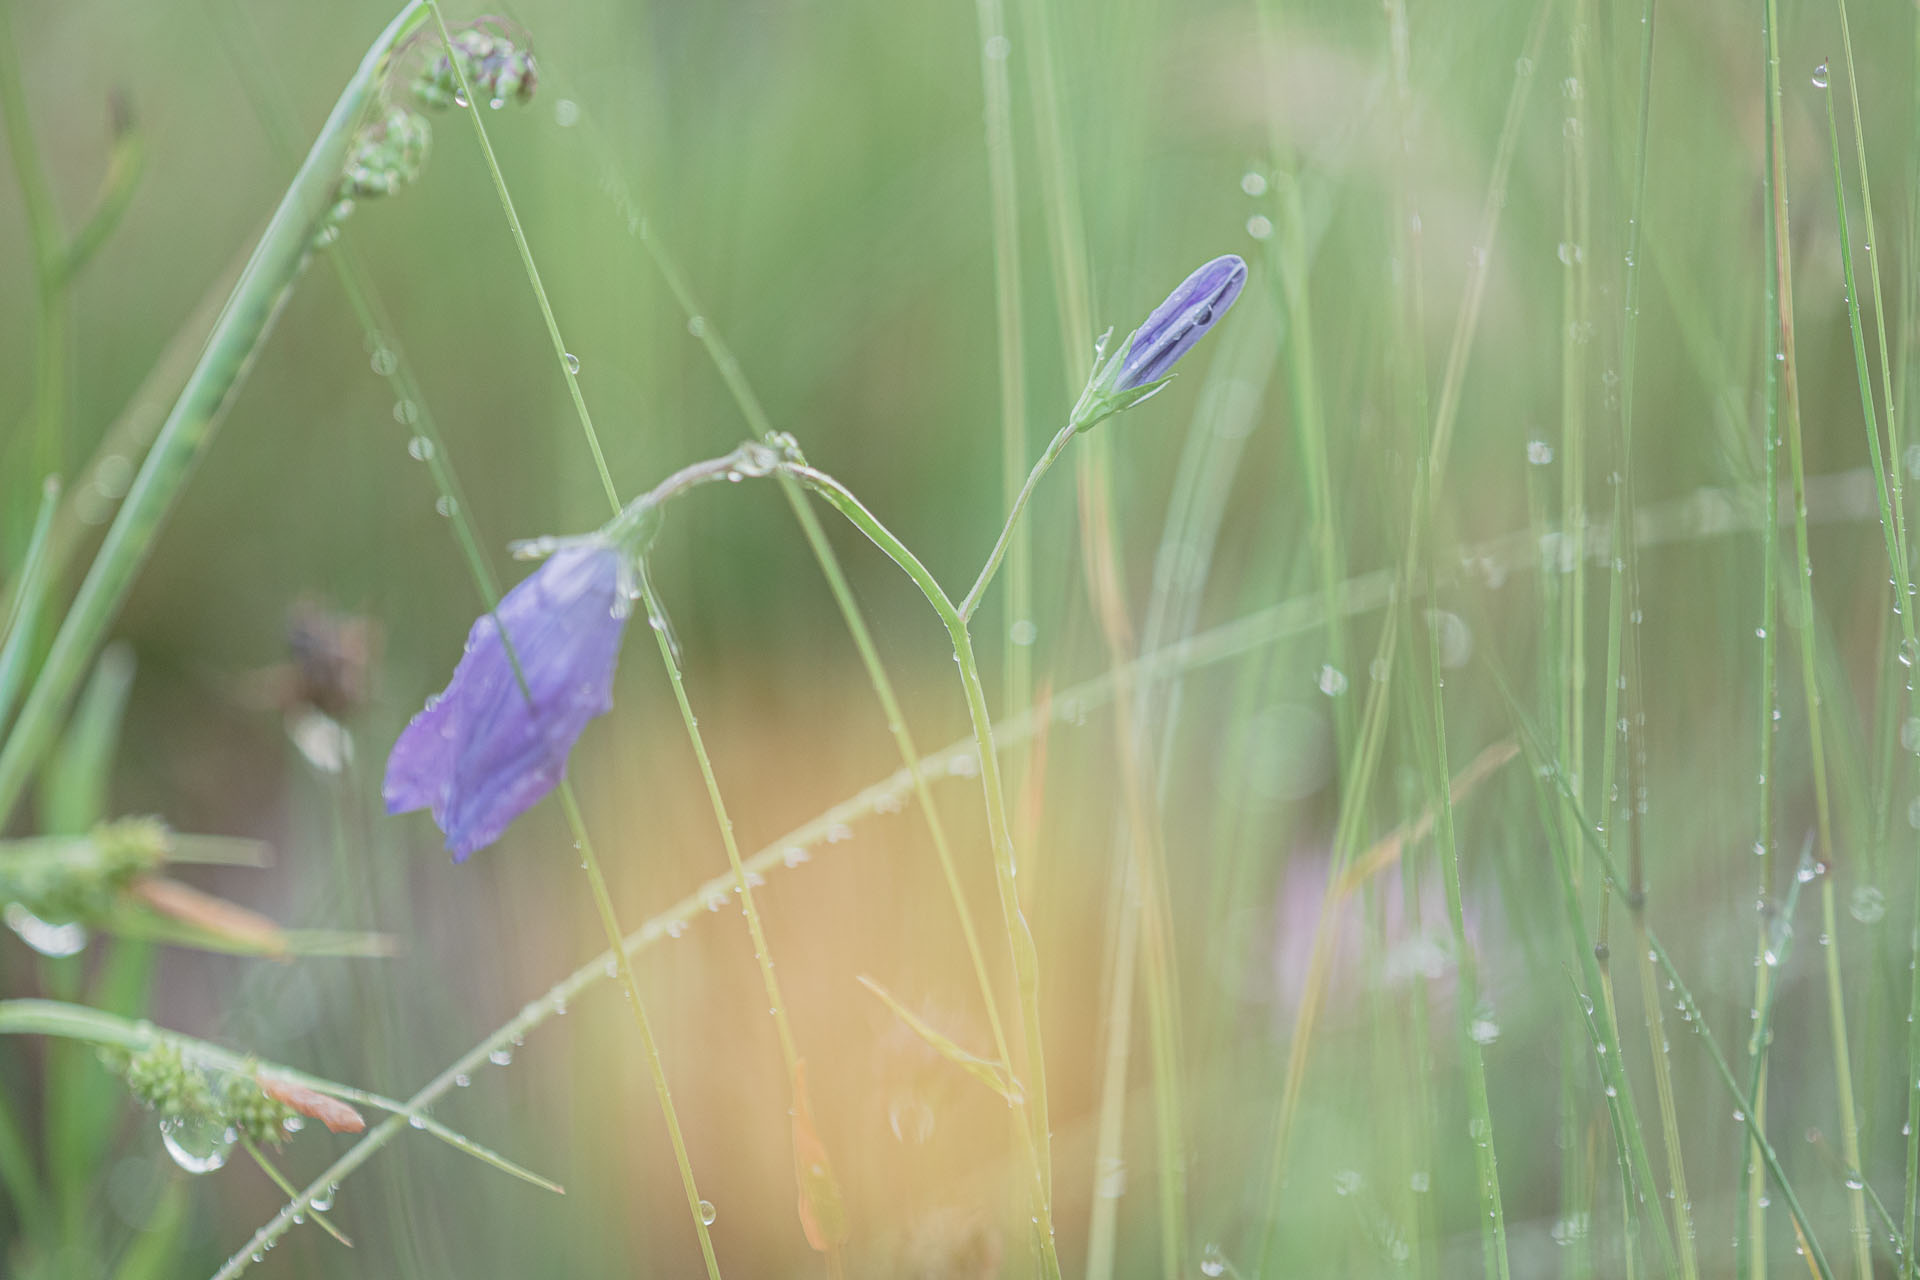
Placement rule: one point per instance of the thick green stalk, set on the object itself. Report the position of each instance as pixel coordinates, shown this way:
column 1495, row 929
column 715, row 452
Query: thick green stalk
column 263, row 288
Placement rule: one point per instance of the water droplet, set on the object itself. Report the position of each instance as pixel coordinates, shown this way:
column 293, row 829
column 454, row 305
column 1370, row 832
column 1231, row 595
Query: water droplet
column 419, row 448
column 1910, row 734
column 47, row 939
column 1260, row 227
column 1023, row 632
column 1820, row 76
column 1254, row 183
column 566, row 113
column 1332, row 682
column 1346, row 1182
column 697, row 326
column 445, row 505
column 1212, row 1261
column 405, row 412
column 496, row 103
column 1539, row 452
column 197, row 1145
column 501, row 1057
column 382, row 361
column 417, row 1121
column 573, row 363
column 1421, row 1181
column 707, row 1212
column 462, row 1080
column 1484, row 1030
column 1868, row 905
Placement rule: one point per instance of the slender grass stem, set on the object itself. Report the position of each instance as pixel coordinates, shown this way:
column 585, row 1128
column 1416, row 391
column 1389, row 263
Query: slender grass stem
column 560, row 354
column 1010, row 325
column 1805, row 620
column 603, row 904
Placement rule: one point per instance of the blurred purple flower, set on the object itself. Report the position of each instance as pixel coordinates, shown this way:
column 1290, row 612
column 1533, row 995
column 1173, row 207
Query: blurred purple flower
column 1182, row 320
column 484, row 750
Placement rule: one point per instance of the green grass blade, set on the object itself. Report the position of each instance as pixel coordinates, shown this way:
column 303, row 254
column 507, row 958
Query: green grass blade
column 256, row 300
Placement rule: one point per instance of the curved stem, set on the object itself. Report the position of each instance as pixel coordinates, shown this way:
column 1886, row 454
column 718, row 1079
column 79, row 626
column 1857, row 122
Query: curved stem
column 1019, row 936
column 1054, row 449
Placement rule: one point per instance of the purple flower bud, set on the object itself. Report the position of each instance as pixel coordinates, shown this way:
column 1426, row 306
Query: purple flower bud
column 1181, row 321
column 485, row 750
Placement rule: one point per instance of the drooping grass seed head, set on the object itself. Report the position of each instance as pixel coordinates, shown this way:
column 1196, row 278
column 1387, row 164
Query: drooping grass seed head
column 387, row 155
column 498, row 60
column 1141, row 366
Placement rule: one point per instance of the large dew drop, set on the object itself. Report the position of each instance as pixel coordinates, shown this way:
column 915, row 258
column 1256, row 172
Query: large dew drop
column 198, row 1146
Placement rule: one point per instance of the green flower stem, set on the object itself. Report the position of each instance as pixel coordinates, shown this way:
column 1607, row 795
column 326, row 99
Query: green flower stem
column 750, row 408
column 1054, row 449
column 263, row 288
column 1019, row 935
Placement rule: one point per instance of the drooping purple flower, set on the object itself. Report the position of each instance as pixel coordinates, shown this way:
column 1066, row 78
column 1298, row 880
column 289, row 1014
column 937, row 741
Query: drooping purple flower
column 485, row 749
column 1182, row 320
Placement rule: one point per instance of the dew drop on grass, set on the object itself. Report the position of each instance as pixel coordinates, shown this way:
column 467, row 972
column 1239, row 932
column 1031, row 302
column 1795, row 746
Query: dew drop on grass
column 573, row 363
column 198, row 1146
column 1910, row 734
column 1868, row 905
column 1260, row 227
column 707, row 1212
column 1346, row 1182
column 462, row 1080
column 1820, row 76
column 1539, row 452
column 445, row 505
column 1212, row 1261
column 417, row 1121
column 1254, row 183
column 382, row 361
column 1421, row 1181
column 566, row 113
column 419, row 448
column 1023, row 632
column 501, row 1057
column 1332, row 681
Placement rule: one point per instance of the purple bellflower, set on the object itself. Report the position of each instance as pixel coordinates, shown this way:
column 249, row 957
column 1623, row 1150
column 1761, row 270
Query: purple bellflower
column 488, row 747
column 1142, row 365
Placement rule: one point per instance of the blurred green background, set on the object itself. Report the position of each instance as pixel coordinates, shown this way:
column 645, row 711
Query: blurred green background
column 819, row 171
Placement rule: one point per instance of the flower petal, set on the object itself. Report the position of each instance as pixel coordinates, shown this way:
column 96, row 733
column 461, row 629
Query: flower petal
column 487, row 749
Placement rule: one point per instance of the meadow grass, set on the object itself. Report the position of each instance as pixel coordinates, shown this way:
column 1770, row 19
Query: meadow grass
column 1493, row 600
